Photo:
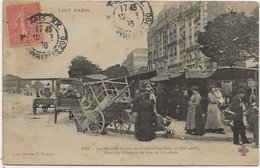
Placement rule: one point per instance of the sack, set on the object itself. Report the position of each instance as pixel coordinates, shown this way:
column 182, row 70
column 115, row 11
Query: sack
column 133, row 118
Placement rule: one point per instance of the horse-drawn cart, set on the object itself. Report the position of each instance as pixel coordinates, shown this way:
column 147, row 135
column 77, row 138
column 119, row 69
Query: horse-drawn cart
column 104, row 104
column 68, row 92
column 45, row 102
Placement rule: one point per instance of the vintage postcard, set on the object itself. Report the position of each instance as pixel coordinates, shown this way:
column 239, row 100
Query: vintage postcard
column 130, row 82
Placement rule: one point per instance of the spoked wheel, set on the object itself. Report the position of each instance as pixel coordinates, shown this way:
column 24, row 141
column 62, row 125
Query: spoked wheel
column 44, row 108
column 123, row 123
column 96, row 122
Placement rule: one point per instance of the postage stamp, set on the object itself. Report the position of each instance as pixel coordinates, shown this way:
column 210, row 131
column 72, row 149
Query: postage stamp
column 130, row 17
column 55, row 36
column 22, row 32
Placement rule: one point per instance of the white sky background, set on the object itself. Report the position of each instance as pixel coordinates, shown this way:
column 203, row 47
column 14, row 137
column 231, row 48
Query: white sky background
column 90, row 34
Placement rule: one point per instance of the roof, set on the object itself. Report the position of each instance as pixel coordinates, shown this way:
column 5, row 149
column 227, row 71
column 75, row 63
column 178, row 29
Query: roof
column 141, row 76
column 72, row 81
column 223, row 73
column 160, row 77
column 198, row 74
column 234, row 73
column 96, row 76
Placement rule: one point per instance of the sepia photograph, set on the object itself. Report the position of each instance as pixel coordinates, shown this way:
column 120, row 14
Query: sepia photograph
column 155, row 83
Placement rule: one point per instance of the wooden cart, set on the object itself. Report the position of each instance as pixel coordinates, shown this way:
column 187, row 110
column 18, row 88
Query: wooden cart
column 105, row 103
column 45, row 102
column 66, row 101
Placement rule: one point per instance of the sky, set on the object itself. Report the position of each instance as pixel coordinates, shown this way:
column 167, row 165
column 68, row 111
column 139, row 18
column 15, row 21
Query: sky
column 90, row 34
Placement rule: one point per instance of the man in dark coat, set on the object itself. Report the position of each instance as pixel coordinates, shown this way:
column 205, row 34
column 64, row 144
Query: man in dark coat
column 146, row 119
column 183, row 98
column 161, row 101
column 136, row 100
column 173, row 103
column 236, row 106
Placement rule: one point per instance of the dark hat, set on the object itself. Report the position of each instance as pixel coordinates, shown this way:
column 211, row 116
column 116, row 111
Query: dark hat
column 183, row 88
column 241, row 90
column 211, row 86
column 196, row 88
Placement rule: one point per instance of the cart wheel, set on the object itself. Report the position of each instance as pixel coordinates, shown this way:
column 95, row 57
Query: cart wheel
column 96, row 122
column 123, row 123
column 44, row 108
column 55, row 113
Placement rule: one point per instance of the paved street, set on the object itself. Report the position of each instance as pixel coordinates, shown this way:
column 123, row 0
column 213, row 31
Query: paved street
column 40, row 138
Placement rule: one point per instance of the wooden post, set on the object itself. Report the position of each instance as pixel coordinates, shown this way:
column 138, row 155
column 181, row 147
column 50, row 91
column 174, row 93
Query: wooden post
column 52, row 87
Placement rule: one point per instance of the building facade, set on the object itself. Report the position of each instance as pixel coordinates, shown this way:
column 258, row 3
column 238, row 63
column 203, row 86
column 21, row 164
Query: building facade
column 172, row 39
column 136, row 59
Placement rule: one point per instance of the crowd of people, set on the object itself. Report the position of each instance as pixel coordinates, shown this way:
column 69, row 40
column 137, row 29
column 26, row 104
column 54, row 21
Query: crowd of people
column 185, row 104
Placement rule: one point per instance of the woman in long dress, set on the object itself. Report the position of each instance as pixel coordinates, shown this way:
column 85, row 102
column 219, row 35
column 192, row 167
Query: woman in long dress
column 146, row 119
column 213, row 120
column 161, row 101
column 194, row 123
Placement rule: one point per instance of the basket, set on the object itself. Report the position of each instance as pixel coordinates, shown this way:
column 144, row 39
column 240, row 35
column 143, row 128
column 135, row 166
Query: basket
column 229, row 115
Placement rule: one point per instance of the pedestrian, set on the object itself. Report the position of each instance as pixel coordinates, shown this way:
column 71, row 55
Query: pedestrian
column 136, row 100
column 236, row 106
column 146, row 120
column 173, row 103
column 213, row 120
column 194, row 123
column 252, row 118
column 161, row 101
column 37, row 94
column 183, row 103
column 220, row 97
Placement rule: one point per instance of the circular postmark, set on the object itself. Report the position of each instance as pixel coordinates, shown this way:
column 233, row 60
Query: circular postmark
column 55, row 36
column 130, row 17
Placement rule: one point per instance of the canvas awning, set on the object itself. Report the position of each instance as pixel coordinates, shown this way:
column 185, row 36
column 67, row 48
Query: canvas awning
column 160, row 77
column 234, row 73
column 198, row 74
column 96, row 76
column 176, row 75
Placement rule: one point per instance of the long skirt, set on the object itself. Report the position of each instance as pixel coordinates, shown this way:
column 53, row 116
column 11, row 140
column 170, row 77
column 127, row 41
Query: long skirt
column 194, row 121
column 172, row 109
column 161, row 107
column 213, row 120
column 183, row 110
column 145, row 130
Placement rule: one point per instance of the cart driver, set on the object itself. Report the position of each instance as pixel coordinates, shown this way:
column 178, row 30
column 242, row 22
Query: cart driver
column 71, row 92
column 47, row 91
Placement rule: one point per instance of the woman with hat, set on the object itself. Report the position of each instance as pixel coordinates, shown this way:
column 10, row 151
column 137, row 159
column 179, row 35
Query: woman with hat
column 146, row 119
column 194, row 123
column 213, row 121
